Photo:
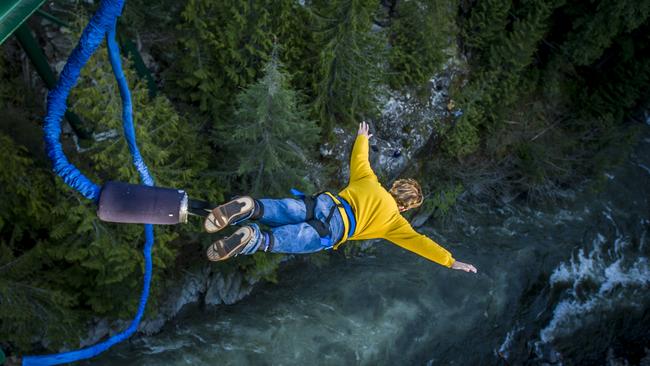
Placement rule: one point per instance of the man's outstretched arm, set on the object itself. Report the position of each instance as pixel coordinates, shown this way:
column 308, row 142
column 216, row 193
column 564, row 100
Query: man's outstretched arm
column 411, row 240
column 359, row 164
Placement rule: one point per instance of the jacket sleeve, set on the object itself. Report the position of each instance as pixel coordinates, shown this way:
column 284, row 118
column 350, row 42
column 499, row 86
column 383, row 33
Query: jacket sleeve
column 407, row 238
column 359, row 164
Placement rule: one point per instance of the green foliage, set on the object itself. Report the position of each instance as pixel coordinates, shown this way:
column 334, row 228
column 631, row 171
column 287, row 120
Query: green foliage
column 13, row 92
column 530, row 159
column 442, row 199
column 5, row 89
column 419, row 32
column 269, row 138
column 550, row 86
column 30, row 305
column 487, row 22
column 228, row 42
column 597, row 24
column 261, row 266
column 505, row 46
column 355, row 248
column 27, row 300
column 462, row 139
column 350, row 61
column 607, row 95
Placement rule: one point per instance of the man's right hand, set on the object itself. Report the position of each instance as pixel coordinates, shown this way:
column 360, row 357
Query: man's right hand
column 463, row 267
column 364, row 129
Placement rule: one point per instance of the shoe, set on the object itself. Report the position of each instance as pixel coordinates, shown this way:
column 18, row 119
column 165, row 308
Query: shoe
column 236, row 210
column 232, row 245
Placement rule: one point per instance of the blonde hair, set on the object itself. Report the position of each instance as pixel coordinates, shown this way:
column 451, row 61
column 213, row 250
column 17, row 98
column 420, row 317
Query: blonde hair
column 407, row 193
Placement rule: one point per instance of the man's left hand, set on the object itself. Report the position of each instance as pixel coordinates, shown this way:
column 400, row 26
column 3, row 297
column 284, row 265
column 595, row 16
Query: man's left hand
column 364, row 129
column 463, row 267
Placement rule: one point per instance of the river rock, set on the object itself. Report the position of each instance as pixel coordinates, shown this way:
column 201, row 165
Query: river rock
column 227, row 289
column 193, row 286
column 407, row 121
column 96, row 333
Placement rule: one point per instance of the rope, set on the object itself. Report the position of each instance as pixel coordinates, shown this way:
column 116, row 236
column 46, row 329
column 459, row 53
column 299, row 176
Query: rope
column 101, row 25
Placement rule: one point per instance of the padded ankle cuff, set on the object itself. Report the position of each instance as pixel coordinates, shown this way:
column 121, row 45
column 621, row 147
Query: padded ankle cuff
column 258, row 211
column 256, row 242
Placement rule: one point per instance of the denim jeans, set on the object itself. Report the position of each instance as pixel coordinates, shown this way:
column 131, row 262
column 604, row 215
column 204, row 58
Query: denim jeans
column 291, row 234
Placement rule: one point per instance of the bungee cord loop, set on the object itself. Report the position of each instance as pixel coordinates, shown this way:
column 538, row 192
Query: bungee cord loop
column 101, row 25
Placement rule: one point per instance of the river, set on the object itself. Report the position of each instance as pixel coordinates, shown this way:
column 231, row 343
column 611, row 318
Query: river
column 563, row 284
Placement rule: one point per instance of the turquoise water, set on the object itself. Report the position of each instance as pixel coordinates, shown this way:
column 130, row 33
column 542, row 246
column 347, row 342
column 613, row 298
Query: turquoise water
column 563, row 284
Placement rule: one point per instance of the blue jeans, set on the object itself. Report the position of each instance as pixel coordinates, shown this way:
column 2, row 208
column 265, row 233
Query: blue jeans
column 290, row 233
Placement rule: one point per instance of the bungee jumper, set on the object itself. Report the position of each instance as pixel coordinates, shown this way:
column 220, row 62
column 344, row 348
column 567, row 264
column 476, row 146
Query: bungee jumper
column 306, row 224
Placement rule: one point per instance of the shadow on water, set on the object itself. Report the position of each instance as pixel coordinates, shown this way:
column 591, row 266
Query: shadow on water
column 566, row 285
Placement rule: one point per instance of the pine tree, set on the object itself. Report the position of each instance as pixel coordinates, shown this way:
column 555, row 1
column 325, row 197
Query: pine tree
column 503, row 47
column 350, row 62
column 27, row 300
column 227, row 44
column 486, row 24
column 270, row 136
column 595, row 30
column 419, row 32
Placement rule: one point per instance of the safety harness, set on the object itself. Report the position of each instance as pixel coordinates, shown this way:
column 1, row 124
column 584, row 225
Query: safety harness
column 323, row 228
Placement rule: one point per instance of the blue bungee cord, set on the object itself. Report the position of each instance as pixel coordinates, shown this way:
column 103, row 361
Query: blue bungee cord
column 101, row 25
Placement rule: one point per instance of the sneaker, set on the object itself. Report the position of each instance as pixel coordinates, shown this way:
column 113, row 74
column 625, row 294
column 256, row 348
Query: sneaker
column 236, row 210
column 232, row 245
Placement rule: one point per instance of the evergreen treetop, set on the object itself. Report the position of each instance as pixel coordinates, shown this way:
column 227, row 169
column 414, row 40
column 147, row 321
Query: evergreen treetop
column 351, row 61
column 270, row 136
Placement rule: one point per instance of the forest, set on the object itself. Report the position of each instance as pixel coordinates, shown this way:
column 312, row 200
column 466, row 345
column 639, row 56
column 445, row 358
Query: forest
column 237, row 97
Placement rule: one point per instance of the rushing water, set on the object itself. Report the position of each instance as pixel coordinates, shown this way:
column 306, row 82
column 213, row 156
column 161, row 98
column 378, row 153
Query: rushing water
column 566, row 284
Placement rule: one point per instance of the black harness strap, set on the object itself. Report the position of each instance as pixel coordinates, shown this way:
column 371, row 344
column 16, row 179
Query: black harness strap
column 310, row 205
column 199, row 208
column 322, row 228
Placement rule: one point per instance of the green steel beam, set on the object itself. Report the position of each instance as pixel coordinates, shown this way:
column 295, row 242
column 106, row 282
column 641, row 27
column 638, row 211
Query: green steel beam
column 35, row 54
column 131, row 51
column 13, row 13
column 51, row 18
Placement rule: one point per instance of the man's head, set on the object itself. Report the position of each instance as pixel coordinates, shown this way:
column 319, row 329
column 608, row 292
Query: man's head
column 407, row 193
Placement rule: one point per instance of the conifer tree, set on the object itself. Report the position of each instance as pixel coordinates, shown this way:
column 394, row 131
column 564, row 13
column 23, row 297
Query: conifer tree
column 28, row 301
column 270, row 135
column 595, row 30
column 350, row 61
column 228, row 42
column 486, row 24
column 419, row 32
column 503, row 48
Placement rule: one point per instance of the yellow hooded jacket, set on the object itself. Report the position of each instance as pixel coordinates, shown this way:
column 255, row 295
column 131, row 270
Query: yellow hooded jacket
column 376, row 212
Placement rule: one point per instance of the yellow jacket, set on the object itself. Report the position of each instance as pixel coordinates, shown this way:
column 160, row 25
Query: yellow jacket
column 376, row 212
